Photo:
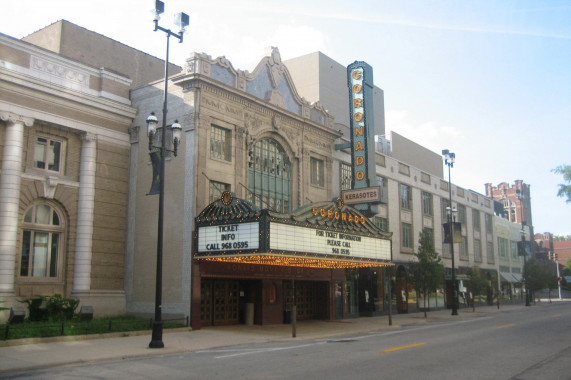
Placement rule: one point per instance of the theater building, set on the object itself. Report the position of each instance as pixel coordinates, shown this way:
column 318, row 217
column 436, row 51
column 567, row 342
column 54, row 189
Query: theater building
column 252, row 137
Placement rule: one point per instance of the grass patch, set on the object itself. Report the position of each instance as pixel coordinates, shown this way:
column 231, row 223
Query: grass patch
column 104, row 325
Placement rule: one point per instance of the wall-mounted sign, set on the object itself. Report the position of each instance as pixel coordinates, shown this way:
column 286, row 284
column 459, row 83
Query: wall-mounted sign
column 229, row 237
column 365, row 195
column 285, row 237
column 360, row 81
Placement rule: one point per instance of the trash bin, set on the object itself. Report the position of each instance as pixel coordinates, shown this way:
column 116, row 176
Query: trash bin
column 287, row 317
column 249, row 314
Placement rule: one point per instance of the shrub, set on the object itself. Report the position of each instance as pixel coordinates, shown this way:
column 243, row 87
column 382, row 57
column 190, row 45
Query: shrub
column 53, row 308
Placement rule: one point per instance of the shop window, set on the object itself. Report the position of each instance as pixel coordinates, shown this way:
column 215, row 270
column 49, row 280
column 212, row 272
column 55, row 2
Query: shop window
column 48, row 154
column 42, row 242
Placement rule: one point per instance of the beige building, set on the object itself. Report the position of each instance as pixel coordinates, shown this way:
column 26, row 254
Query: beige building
column 64, row 151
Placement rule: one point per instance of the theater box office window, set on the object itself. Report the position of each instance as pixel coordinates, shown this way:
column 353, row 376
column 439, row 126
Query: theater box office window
column 248, row 260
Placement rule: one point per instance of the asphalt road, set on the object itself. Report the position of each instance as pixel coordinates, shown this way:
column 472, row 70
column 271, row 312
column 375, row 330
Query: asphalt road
column 533, row 343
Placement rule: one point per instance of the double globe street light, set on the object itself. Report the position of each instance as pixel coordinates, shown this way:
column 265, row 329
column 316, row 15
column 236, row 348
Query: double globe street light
column 182, row 21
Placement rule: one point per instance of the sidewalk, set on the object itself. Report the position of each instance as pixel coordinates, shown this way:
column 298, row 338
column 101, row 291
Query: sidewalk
column 15, row 356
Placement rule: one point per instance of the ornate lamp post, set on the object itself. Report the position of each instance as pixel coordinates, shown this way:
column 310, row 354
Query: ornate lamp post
column 449, row 159
column 521, row 196
column 181, row 20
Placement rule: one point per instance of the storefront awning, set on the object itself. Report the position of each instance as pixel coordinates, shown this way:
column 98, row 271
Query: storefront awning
column 320, row 235
column 518, row 277
column 510, row 277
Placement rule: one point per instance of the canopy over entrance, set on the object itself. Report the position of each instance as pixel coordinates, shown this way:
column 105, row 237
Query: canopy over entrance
column 320, row 235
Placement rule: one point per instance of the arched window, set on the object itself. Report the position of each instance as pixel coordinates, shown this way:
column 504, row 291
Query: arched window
column 269, row 176
column 42, row 242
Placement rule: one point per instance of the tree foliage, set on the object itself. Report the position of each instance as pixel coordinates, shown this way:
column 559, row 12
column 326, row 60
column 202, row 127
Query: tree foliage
column 561, row 237
column 564, row 189
column 426, row 272
column 540, row 274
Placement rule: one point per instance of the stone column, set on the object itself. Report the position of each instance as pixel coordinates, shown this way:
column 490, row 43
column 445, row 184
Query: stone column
column 85, row 206
column 10, row 181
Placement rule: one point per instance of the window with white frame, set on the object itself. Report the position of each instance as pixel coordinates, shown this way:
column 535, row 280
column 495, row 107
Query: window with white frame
column 346, row 174
column 220, row 143
column 426, row 203
column 317, row 172
column 476, row 219
column 490, row 252
column 42, row 242
column 405, row 197
column 488, row 221
column 383, row 184
column 48, row 154
column 503, row 247
column 382, row 223
column 430, row 233
column 477, row 250
column 464, row 248
column 462, row 214
column 444, row 203
column 513, row 249
column 406, row 235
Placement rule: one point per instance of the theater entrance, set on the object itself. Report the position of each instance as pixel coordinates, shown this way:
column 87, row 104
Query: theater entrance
column 219, row 303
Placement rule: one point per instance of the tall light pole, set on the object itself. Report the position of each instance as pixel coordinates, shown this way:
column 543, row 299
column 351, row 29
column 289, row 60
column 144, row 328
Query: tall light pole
column 524, row 253
column 449, row 159
column 181, row 20
column 521, row 196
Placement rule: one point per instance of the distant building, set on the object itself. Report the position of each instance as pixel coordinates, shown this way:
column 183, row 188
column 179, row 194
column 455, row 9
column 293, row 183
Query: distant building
column 562, row 250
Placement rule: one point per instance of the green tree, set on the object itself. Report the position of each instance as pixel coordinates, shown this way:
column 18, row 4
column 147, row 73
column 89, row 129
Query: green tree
column 564, row 189
column 537, row 276
column 427, row 271
column 478, row 285
column 561, row 237
column 567, row 268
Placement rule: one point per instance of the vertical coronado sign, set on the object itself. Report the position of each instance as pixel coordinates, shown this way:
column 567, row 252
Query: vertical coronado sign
column 360, row 81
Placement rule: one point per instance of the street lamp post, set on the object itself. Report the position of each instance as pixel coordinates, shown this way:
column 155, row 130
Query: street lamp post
column 521, row 196
column 524, row 253
column 449, row 159
column 181, row 20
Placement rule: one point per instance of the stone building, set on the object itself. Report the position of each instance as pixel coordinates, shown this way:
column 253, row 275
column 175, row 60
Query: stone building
column 64, row 152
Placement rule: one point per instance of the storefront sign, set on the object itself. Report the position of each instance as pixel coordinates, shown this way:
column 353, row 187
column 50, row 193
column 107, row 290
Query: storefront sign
column 370, row 194
column 285, row 237
column 229, row 237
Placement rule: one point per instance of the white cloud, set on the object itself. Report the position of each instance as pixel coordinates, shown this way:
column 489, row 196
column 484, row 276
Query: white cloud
column 429, row 134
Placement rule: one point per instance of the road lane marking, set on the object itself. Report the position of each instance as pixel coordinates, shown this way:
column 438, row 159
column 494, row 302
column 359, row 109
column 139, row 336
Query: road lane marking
column 557, row 315
column 504, row 326
column 403, row 347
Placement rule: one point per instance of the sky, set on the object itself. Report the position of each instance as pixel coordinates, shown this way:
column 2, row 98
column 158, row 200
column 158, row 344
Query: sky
column 489, row 80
